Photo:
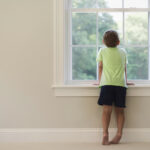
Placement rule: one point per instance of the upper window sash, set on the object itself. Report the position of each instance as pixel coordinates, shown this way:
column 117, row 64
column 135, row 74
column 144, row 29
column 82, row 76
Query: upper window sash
column 96, row 10
column 114, row 4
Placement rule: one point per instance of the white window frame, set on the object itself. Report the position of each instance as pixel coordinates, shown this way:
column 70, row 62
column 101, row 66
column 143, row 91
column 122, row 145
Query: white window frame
column 60, row 26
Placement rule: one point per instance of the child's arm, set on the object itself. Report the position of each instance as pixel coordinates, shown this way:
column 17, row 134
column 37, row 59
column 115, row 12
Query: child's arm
column 128, row 83
column 100, row 69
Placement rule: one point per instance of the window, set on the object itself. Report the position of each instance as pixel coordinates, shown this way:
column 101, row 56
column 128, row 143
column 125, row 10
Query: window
column 89, row 19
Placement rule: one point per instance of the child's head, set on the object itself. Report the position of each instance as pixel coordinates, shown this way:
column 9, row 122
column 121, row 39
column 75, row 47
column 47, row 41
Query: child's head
column 111, row 38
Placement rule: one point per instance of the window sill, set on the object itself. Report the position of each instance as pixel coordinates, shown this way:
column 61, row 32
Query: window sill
column 93, row 90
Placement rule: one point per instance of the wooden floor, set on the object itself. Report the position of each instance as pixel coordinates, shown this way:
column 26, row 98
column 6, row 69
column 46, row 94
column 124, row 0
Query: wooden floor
column 73, row 146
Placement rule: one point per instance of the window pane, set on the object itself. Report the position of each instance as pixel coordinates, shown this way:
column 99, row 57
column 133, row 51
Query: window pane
column 83, row 28
column 137, row 67
column 84, row 63
column 110, row 21
column 110, row 3
column 83, row 3
column 136, row 3
column 136, row 28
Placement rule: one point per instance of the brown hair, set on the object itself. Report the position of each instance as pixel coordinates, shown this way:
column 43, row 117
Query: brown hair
column 111, row 38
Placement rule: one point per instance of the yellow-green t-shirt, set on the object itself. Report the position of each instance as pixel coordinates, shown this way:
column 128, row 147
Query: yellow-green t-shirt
column 114, row 61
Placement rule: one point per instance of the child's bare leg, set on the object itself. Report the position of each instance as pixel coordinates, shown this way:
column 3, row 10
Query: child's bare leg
column 120, row 122
column 105, row 121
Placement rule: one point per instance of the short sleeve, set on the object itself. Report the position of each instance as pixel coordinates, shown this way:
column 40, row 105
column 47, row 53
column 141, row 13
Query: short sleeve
column 99, row 56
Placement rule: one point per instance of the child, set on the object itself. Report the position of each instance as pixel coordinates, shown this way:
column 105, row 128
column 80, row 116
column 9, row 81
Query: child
column 113, row 83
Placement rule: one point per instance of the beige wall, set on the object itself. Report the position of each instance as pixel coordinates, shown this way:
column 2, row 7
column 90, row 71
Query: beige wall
column 26, row 69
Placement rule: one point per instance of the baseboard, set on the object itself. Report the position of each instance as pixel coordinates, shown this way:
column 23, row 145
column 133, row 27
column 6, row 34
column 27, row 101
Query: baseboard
column 70, row 135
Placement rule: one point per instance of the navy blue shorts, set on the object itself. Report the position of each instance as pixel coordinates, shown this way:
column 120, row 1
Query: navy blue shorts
column 110, row 94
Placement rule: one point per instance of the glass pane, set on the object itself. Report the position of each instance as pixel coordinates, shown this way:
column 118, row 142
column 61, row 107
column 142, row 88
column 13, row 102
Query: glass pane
column 110, row 3
column 137, row 67
column 83, row 3
column 84, row 63
column 136, row 28
column 83, row 28
column 136, row 3
column 110, row 21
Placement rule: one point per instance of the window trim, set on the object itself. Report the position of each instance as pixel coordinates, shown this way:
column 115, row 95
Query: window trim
column 59, row 70
column 141, row 90
column 58, row 41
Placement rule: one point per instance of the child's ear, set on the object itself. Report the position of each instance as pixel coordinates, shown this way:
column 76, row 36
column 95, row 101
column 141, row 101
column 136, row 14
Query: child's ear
column 103, row 42
column 118, row 42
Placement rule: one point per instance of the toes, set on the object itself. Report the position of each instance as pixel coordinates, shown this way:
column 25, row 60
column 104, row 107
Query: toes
column 106, row 143
column 115, row 141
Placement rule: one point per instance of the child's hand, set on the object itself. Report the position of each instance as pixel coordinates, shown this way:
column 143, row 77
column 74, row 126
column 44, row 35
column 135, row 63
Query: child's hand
column 95, row 83
column 130, row 83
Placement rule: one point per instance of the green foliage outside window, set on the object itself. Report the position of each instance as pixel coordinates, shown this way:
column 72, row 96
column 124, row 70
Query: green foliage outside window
column 84, row 33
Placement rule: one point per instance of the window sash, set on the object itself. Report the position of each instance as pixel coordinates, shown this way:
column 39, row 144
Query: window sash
column 98, row 10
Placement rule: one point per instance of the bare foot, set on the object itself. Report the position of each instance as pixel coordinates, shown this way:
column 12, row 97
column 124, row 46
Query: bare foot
column 105, row 140
column 116, row 139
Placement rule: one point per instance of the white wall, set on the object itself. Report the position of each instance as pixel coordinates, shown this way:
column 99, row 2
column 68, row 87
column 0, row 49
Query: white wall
column 26, row 61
